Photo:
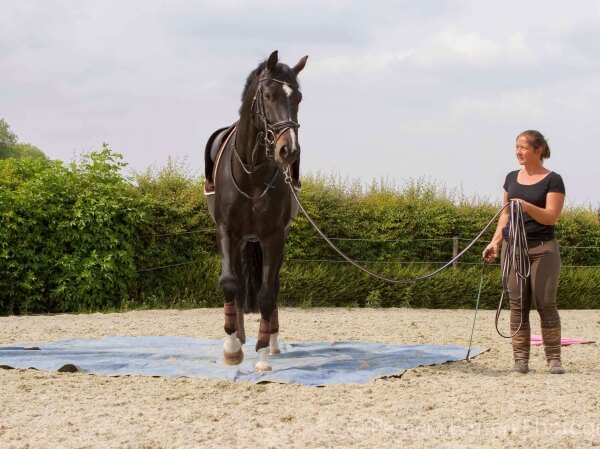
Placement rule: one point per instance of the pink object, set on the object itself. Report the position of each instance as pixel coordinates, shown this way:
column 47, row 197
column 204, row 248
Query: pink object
column 536, row 340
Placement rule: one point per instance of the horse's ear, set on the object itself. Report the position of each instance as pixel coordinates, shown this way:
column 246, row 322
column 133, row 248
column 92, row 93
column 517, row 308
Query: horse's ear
column 298, row 67
column 272, row 61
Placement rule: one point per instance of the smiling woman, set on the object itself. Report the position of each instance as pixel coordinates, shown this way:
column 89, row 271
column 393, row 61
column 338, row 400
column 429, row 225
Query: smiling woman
column 540, row 194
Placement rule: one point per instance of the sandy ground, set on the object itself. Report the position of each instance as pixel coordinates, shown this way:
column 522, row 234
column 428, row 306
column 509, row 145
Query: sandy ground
column 481, row 404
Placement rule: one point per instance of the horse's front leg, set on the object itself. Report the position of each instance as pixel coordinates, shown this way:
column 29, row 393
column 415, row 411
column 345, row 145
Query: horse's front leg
column 267, row 301
column 228, row 281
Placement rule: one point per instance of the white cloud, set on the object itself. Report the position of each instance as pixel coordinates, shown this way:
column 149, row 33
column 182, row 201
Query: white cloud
column 468, row 45
column 525, row 105
column 155, row 77
column 370, row 63
column 452, row 44
column 576, row 104
column 517, row 48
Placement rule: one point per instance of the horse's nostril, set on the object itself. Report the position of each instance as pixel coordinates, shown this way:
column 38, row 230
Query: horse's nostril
column 284, row 151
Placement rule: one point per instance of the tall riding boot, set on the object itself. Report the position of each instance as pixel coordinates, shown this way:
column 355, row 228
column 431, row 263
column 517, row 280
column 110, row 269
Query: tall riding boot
column 551, row 338
column 521, row 342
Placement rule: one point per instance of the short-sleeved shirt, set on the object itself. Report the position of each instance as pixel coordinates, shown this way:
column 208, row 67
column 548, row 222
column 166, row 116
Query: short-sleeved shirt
column 536, row 195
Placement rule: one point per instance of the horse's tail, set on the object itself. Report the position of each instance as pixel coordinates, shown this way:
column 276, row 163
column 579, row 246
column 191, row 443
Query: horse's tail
column 252, row 275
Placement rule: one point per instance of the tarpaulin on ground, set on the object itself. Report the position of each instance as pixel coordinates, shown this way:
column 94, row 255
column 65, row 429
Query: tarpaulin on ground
column 311, row 363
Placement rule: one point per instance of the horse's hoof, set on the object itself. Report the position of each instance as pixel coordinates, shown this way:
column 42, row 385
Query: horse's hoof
column 262, row 366
column 274, row 351
column 233, row 358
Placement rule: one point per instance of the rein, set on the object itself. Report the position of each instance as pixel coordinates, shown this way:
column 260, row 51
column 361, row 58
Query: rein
column 268, row 185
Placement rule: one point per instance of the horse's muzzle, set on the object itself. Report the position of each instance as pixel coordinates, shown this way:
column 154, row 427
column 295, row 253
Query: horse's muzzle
column 287, row 148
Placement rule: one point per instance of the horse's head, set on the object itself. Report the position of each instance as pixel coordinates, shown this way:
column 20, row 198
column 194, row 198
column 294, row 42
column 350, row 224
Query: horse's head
column 275, row 102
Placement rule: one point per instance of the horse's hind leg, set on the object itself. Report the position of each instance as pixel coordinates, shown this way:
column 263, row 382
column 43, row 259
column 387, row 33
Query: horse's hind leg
column 241, row 329
column 262, row 346
column 267, row 299
column 273, row 343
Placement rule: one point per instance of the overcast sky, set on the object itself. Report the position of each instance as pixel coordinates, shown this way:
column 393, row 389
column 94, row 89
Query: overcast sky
column 434, row 90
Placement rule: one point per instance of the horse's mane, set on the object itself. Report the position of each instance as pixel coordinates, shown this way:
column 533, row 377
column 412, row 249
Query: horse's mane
column 282, row 72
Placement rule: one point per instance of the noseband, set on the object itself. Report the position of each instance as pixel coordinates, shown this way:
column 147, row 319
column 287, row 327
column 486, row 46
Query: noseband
column 270, row 132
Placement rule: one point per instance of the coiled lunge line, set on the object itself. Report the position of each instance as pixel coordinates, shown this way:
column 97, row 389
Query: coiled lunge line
column 515, row 259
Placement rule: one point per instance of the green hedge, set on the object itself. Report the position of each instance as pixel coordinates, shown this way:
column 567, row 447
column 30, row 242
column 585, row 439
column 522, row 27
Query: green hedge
column 318, row 284
column 84, row 237
column 177, row 234
column 67, row 234
column 342, row 285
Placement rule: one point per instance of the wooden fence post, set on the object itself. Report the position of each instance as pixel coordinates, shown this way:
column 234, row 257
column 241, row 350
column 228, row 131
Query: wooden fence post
column 454, row 251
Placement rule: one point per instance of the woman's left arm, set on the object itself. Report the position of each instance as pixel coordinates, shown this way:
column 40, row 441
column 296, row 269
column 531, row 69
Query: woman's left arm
column 548, row 215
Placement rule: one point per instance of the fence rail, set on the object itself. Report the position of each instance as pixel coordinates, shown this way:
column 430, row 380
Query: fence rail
column 350, row 239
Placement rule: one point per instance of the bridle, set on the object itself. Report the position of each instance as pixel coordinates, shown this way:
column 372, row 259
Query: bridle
column 269, row 134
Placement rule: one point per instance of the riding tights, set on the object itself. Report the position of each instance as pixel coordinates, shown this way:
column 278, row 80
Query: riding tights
column 540, row 287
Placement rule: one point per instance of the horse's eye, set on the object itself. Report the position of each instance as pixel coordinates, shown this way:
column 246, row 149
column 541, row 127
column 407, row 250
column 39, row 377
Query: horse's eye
column 268, row 96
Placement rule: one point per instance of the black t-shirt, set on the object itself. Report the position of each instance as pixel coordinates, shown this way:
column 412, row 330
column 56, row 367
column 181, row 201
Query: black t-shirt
column 536, row 195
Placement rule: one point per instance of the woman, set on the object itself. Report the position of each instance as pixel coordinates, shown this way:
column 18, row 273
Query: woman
column 541, row 194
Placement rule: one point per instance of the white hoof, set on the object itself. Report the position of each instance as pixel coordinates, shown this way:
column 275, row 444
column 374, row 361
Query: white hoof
column 260, row 366
column 233, row 358
column 232, row 350
column 263, row 360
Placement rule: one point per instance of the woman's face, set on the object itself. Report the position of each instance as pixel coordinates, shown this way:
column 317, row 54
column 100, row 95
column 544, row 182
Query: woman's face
column 525, row 153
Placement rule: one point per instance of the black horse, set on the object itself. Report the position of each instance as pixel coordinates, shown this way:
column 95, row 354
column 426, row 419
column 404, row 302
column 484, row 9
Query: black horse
column 250, row 167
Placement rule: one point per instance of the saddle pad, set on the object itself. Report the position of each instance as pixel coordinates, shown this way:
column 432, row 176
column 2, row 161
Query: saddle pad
column 311, row 363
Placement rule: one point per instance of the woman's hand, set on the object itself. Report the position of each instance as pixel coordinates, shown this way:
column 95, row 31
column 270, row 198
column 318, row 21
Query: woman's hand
column 525, row 206
column 490, row 252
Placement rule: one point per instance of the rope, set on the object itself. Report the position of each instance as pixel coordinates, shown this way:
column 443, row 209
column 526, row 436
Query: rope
column 143, row 270
column 288, row 180
column 476, row 309
column 514, row 259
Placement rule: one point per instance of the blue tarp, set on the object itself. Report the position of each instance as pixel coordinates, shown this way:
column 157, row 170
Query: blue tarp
column 312, row 363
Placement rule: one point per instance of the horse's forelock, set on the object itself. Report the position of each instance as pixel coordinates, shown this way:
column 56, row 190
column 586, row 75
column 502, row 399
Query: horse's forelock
column 282, row 72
